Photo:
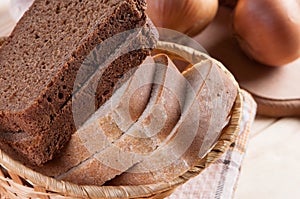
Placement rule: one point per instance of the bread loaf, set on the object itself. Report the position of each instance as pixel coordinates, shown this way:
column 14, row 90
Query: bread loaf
column 208, row 104
column 40, row 61
column 197, row 107
column 121, row 111
column 143, row 137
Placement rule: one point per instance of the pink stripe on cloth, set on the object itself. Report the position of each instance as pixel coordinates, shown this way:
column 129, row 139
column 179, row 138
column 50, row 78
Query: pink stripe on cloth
column 219, row 180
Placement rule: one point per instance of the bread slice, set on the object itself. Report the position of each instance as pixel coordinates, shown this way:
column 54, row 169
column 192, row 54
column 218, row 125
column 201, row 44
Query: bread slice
column 40, row 60
column 206, row 113
column 103, row 127
column 142, row 138
column 162, row 113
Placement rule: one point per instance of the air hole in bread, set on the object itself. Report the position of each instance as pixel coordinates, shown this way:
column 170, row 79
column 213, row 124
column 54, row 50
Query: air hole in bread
column 57, row 11
column 60, row 95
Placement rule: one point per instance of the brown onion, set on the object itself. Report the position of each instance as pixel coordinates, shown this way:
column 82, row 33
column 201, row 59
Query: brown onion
column 269, row 30
column 186, row 16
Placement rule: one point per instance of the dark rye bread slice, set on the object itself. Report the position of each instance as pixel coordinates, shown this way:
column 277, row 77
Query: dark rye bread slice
column 91, row 93
column 206, row 113
column 40, row 60
column 103, row 127
column 145, row 136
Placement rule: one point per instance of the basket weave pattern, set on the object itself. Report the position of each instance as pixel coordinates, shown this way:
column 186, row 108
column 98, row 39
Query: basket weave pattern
column 18, row 181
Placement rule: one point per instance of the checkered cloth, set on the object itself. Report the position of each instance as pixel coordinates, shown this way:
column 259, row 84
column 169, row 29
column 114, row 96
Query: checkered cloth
column 219, row 180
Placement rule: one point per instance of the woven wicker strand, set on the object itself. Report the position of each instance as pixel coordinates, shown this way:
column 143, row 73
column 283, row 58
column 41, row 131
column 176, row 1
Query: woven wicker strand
column 18, row 181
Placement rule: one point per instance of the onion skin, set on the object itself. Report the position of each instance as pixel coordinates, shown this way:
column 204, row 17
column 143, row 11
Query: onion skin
column 187, row 16
column 268, row 30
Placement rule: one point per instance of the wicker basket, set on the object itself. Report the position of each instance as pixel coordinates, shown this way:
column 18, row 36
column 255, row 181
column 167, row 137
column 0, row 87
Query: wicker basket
column 18, row 181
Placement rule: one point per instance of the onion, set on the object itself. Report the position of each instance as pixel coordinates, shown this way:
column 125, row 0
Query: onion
column 186, row 16
column 268, row 30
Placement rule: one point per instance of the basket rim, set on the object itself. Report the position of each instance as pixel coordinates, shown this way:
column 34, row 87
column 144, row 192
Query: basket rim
column 64, row 188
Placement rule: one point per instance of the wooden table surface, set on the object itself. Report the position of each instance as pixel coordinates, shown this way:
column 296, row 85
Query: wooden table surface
column 271, row 168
